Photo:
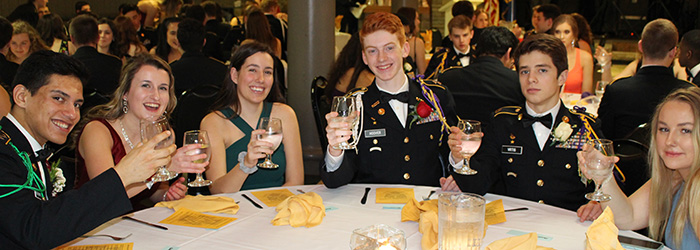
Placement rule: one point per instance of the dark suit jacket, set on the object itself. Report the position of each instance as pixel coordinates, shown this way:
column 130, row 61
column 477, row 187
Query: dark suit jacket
column 104, row 69
column 25, row 12
column 482, row 87
column 442, row 60
column 29, row 223
column 195, row 69
column 511, row 163
column 279, row 30
column 397, row 155
column 148, row 36
column 7, row 73
column 631, row 101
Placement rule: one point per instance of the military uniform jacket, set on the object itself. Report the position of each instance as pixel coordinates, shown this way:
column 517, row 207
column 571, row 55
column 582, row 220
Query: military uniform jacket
column 390, row 153
column 30, row 223
column 511, row 163
column 442, row 60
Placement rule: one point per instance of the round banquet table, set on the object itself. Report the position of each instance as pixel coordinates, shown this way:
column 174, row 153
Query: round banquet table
column 556, row 227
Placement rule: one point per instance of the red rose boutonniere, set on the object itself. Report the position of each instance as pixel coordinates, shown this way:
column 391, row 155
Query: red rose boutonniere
column 421, row 110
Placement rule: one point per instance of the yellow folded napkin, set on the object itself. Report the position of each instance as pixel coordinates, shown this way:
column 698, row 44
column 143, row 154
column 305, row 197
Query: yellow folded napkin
column 602, row 233
column 426, row 214
column 300, row 210
column 203, row 203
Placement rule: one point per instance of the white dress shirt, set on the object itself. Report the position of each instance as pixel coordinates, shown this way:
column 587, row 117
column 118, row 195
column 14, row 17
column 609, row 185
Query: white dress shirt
column 464, row 60
column 32, row 142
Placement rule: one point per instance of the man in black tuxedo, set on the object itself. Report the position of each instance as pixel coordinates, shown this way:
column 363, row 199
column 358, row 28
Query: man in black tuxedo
column 630, row 102
column 47, row 94
column 689, row 55
column 147, row 35
column 529, row 151
column 194, row 68
column 460, row 55
column 488, row 83
column 403, row 121
column 7, row 69
column 104, row 69
column 277, row 26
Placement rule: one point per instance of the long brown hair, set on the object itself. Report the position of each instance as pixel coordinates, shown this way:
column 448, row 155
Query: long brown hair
column 665, row 182
column 22, row 27
column 258, row 28
column 113, row 109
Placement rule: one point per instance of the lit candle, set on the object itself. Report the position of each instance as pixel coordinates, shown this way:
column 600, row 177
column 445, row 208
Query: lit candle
column 386, row 246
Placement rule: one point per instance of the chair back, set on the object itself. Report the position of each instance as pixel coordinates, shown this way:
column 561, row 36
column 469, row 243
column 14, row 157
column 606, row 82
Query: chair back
column 192, row 106
column 635, row 145
column 321, row 107
column 93, row 97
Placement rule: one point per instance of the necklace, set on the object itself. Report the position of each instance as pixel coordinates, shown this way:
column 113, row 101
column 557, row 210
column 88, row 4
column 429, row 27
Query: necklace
column 126, row 136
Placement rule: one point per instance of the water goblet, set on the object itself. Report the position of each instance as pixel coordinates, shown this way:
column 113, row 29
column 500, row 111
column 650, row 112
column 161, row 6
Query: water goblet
column 198, row 137
column 600, row 88
column 346, row 107
column 273, row 134
column 471, row 141
column 599, row 164
column 151, row 127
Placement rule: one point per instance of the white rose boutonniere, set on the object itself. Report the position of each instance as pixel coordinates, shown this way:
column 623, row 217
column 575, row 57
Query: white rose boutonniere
column 57, row 178
column 561, row 133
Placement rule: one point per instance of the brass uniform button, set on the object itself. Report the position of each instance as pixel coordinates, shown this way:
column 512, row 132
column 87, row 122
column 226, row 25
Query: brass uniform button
column 540, row 163
column 567, row 166
column 540, row 202
column 405, row 140
column 540, row 183
column 407, row 158
column 510, row 160
column 406, row 176
column 375, row 141
column 380, row 112
column 431, row 137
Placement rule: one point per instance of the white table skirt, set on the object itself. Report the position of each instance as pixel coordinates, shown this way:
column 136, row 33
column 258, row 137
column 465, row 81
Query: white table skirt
column 558, row 228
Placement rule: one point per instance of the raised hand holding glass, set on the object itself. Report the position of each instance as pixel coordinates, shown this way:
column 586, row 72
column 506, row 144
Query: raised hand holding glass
column 198, row 137
column 150, row 127
column 273, row 134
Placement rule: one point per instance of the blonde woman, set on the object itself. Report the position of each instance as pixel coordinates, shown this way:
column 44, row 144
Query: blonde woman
column 667, row 203
column 25, row 41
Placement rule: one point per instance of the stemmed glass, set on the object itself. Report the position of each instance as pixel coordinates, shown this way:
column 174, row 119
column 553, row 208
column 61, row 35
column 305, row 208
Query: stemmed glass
column 470, row 144
column 346, row 107
column 198, row 137
column 600, row 88
column 150, row 128
column 599, row 164
column 273, row 134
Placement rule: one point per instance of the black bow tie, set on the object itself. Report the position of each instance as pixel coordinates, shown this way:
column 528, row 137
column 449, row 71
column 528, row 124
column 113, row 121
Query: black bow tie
column 690, row 75
column 402, row 97
column 43, row 154
column 546, row 120
column 460, row 55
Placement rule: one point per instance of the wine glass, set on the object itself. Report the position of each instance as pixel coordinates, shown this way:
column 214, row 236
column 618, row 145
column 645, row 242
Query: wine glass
column 346, row 107
column 471, row 140
column 198, row 137
column 273, row 134
column 599, row 164
column 600, row 88
column 151, row 127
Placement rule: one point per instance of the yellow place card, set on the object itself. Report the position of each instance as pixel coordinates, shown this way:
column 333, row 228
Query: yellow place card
column 189, row 218
column 272, row 198
column 495, row 213
column 117, row 246
column 394, row 195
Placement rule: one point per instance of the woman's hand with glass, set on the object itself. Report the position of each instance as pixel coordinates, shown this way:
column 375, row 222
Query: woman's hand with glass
column 596, row 161
column 184, row 161
column 257, row 149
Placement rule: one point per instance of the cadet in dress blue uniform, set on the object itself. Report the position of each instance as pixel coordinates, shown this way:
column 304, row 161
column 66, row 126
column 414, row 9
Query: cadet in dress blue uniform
column 529, row 152
column 459, row 55
column 396, row 144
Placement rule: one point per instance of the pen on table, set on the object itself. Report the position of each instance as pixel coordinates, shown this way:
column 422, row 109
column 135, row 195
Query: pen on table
column 144, row 222
column 251, row 201
column 515, row 209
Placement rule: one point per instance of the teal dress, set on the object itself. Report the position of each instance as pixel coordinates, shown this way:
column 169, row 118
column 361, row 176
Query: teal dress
column 263, row 178
column 690, row 240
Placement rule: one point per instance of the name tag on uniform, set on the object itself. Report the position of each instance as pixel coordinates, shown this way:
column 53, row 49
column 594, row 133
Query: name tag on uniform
column 373, row 133
column 511, row 150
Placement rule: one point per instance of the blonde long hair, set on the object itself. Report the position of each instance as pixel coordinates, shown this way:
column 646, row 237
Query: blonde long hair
column 666, row 182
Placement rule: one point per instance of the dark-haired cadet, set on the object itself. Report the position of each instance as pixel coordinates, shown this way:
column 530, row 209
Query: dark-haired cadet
column 47, row 95
column 529, row 151
column 252, row 93
column 194, row 68
column 489, row 82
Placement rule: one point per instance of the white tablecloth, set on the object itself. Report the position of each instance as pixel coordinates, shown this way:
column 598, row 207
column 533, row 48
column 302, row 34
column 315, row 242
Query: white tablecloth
column 558, row 228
